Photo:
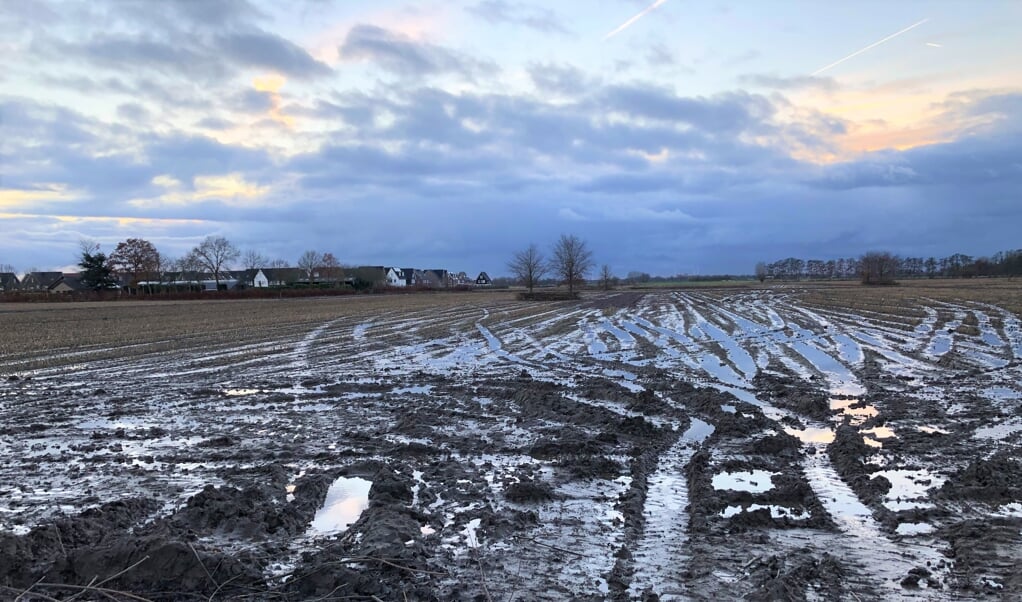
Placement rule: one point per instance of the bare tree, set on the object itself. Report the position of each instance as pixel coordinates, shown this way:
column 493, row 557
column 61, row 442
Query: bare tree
column 332, row 268
column 761, row 271
column 606, row 277
column 309, row 262
column 136, row 258
column 571, row 261
column 215, row 254
column 528, row 266
column 279, row 263
column 878, row 268
column 253, row 260
column 7, row 268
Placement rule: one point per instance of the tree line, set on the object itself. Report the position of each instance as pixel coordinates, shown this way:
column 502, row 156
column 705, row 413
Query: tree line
column 958, row 265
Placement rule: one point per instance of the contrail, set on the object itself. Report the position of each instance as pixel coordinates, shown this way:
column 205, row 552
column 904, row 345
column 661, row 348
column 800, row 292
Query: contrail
column 873, row 45
column 934, row 44
column 629, row 22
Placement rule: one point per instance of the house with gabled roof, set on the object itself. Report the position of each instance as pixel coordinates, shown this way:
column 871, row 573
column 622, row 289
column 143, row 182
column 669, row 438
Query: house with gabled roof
column 435, row 278
column 483, row 279
column 412, row 276
column 275, row 277
column 39, row 281
column 9, row 282
column 68, row 283
column 376, row 276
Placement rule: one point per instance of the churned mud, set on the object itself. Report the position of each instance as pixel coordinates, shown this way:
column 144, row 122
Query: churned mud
column 632, row 446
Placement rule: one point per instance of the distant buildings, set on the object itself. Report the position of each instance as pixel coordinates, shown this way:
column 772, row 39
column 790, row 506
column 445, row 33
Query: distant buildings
column 359, row 278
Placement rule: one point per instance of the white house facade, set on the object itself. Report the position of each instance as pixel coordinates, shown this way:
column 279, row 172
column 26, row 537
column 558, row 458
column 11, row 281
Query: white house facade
column 260, row 280
column 395, row 277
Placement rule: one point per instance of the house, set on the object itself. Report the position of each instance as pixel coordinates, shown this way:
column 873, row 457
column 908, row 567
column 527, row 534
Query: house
column 412, row 277
column 199, row 281
column 39, row 281
column 459, row 279
column 8, row 282
column 68, row 283
column 276, row 277
column 376, row 276
column 483, row 279
column 435, row 278
column 395, row 277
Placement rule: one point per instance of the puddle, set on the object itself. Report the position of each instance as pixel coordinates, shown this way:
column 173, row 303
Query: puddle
column 730, row 409
column 470, row 533
column 417, row 390
column 914, row 529
column 754, row 481
column 858, row 414
column 698, row 431
column 880, row 432
column 909, row 484
column 345, row 501
column 241, row 392
column 1000, row 431
column 359, row 332
column 812, row 435
column 1003, row 393
column 775, row 511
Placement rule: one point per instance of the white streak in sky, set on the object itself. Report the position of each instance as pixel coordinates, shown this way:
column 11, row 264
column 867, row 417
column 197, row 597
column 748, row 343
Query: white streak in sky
column 631, row 21
column 873, row 45
column 935, row 45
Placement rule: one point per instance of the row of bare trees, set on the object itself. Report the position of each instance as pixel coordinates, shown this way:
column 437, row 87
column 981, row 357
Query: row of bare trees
column 570, row 261
column 958, row 265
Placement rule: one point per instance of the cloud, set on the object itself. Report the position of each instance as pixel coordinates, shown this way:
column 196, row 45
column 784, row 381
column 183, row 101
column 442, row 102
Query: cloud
column 211, row 56
column 985, row 155
column 655, row 178
column 214, row 123
column 407, row 57
column 561, row 79
column 141, row 52
column 516, row 13
column 32, row 197
column 133, row 111
column 726, row 112
column 228, row 189
column 263, row 50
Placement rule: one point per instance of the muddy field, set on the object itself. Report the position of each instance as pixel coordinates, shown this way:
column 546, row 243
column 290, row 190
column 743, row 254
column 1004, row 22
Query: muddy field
column 771, row 444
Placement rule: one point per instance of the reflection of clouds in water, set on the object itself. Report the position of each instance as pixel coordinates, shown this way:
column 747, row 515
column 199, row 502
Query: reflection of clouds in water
column 345, row 501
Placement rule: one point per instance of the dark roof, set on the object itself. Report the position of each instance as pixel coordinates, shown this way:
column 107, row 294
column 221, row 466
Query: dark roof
column 40, row 280
column 8, row 281
column 73, row 282
column 283, row 274
column 369, row 273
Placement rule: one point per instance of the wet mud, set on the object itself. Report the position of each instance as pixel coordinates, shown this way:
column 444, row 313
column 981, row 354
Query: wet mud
column 632, row 446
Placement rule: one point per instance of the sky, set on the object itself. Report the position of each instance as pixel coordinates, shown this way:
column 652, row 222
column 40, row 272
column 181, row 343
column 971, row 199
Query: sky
column 673, row 136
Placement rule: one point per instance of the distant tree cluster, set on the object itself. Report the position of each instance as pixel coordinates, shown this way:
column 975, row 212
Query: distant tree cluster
column 1005, row 263
column 570, row 261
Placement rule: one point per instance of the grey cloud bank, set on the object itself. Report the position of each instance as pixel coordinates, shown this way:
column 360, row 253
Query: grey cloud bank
column 404, row 169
